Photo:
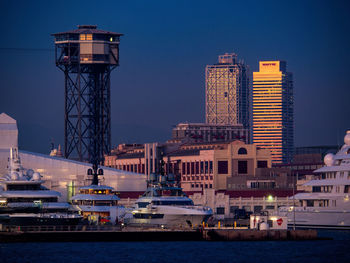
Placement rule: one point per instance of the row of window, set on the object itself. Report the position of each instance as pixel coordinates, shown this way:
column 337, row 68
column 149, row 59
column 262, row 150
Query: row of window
column 94, row 57
column 202, row 167
column 202, row 186
column 191, row 178
column 263, row 185
column 137, row 168
column 303, row 167
column 233, row 209
column 141, row 168
column 87, row 37
column 92, row 191
column 95, row 203
column 15, row 187
column 322, row 189
column 101, row 37
column 320, row 203
column 329, row 188
column 31, row 200
column 343, row 174
column 242, row 166
column 223, row 167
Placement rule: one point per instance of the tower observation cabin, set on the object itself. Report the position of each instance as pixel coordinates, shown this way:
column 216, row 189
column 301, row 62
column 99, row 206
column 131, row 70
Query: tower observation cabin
column 87, row 56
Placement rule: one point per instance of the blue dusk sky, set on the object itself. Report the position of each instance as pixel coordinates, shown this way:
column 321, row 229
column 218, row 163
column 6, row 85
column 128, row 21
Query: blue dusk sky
column 163, row 54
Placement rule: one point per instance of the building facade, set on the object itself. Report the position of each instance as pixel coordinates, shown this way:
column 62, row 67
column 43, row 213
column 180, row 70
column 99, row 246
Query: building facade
column 203, row 132
column 273, row 121
column 197, row 166
column 227, row 92
column 213, row 167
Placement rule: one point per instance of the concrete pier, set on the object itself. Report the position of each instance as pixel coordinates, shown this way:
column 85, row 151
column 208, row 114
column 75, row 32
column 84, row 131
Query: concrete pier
column 257, row 235
column 138, row 234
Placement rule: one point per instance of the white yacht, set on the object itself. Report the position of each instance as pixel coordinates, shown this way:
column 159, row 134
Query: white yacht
column 164, row 205
column 98, row 203
column 328, row 205
column 25, row 201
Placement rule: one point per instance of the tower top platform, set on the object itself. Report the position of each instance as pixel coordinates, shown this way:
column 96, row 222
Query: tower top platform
column 88, row 29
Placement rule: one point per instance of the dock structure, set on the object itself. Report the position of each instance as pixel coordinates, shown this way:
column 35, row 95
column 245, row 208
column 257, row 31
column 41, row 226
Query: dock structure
column 110, row 234
column 257, row 235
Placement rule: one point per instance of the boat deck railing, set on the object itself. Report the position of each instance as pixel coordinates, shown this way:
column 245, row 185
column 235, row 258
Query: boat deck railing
column 89, row 228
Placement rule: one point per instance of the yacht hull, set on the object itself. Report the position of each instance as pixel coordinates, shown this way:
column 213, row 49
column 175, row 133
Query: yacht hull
column 319, row 219
column 29, row 220
column 170, row 221
column 168, row 217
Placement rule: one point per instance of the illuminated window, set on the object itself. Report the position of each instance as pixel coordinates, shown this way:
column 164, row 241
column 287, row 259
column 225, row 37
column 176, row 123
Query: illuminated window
column 88, row 36
column 82, row 37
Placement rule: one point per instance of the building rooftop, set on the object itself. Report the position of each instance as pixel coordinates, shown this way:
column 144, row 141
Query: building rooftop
column 88, row 29
column 130, row 155
column 185, row 152
column 208, row 125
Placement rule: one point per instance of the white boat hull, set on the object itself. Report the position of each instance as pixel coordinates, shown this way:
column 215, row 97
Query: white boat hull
column 327, row 219
column 168, row 216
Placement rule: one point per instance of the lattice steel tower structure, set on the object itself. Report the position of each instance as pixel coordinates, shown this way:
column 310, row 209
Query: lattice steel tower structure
column 87, row 56
column 227, row 92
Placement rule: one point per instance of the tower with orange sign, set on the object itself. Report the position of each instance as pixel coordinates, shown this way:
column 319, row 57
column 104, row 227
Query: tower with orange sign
column 273, row 121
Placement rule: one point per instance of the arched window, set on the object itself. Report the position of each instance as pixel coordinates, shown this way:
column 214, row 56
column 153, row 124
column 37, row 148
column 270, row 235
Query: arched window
column 242, row 151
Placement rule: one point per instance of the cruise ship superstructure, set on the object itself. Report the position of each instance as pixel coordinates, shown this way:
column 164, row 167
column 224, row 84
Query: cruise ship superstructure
column 25, row 201
column 328, row 205
column 98, row 203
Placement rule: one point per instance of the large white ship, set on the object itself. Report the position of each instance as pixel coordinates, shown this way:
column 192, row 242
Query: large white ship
column 98, row 203
column 165, row 205
column 328, row 205
column 25, row 201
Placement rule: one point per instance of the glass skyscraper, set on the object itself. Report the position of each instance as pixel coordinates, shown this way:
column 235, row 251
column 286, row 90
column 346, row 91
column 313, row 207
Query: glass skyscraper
column 227, row 92
column 273, row 121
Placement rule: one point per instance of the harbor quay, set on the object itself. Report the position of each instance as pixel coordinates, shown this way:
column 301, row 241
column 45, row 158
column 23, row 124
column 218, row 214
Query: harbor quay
column 112, row 233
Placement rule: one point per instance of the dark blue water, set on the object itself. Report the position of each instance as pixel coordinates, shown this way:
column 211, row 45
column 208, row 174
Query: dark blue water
column 336, row 250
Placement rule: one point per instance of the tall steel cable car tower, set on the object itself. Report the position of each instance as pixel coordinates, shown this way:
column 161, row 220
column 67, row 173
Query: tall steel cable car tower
column 87, row 56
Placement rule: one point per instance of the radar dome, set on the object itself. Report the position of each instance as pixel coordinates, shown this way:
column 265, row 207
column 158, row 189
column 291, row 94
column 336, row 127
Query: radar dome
column 329, row 159
column 14, row 176
column 36, row 177
column 347, row 138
